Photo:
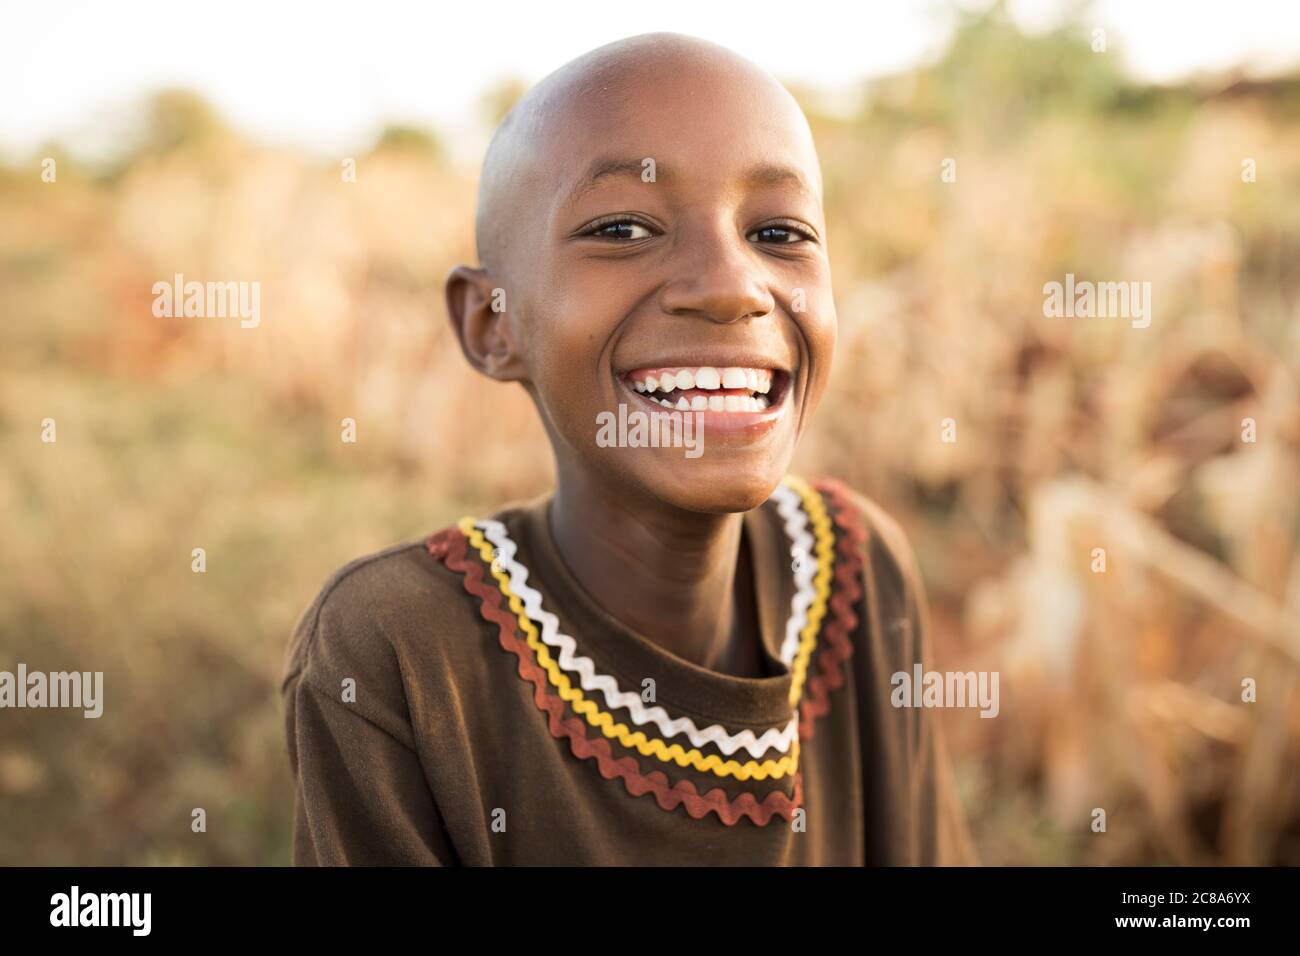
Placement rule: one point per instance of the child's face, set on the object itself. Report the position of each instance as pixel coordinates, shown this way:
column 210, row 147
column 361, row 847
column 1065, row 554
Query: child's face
column 714, row 257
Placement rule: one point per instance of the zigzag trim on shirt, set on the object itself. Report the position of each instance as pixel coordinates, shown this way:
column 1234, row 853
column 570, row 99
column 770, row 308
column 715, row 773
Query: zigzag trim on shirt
column 825, row 549
column 585, row 668
column 837, row 648
column 603, row 721
column 450, row 547
column 790, row 507
column 834, row 652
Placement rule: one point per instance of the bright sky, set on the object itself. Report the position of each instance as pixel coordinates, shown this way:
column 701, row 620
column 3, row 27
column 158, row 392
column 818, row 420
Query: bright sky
column 328, row 75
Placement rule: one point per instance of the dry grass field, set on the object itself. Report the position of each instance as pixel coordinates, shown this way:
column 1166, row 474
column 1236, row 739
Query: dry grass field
column 1120, row 690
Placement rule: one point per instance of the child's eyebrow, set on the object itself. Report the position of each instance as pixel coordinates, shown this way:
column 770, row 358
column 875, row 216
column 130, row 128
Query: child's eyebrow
column 768, row 174
column 604, row 167
column 763, row 174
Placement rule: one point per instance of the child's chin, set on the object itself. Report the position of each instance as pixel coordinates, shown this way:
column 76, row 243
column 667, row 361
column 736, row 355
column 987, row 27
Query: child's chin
column 720, row 491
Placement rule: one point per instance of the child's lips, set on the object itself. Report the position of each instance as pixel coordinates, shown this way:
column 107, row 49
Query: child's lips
column 747, row 398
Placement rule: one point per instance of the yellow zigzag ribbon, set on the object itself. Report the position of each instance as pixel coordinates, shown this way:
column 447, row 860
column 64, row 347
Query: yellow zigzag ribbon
column 821, row 522
column 655, row 747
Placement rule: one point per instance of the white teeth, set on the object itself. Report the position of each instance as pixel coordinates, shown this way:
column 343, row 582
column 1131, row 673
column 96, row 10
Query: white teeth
column 731, row 403
column 708, row 377
column 699, row 403
column 665, row 403
column 683, row 405
column 716, row 403
column 761, row 402
column 733, row 377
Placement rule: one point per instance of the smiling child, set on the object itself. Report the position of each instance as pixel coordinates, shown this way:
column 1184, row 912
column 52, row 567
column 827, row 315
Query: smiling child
column 669, row 659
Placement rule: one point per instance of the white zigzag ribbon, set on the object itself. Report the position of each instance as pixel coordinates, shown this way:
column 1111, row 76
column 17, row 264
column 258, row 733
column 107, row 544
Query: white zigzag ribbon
column 796, row 524
column 790, row 507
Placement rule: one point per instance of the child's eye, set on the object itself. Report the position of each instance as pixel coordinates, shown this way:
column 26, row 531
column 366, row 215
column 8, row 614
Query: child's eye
column 622, row 229
column 776, row 234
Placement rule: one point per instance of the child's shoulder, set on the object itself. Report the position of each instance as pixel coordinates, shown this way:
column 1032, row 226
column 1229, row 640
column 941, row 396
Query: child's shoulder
column 374, row 612
column 886, row 550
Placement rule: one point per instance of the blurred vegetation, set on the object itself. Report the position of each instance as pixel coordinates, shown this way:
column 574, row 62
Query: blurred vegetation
column 1119, row 690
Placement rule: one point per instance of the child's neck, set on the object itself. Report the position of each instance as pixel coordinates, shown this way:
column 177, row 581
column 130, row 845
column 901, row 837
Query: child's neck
column 668, row 574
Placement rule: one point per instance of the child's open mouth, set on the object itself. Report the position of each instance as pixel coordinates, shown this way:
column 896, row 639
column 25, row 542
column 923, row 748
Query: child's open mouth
column 706, row 388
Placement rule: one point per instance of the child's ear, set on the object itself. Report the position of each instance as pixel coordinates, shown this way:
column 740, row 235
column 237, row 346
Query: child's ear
column 477, row 308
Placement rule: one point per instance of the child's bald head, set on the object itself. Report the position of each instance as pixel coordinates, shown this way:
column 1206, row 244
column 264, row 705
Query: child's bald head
column 655, row 203
column 533, row 150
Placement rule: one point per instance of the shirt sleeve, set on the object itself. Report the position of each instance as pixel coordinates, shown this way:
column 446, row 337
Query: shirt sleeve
column 942, row 838
column 918, row 781
column 360, row 792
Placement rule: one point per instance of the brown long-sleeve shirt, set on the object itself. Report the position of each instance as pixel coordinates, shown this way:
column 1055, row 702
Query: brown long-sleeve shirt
column 435, row 716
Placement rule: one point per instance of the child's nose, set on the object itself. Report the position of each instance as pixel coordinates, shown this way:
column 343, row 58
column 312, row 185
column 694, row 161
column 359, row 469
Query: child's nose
column 717, row 279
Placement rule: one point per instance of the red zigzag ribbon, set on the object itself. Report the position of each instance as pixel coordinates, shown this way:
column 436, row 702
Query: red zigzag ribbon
column 451, row 547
